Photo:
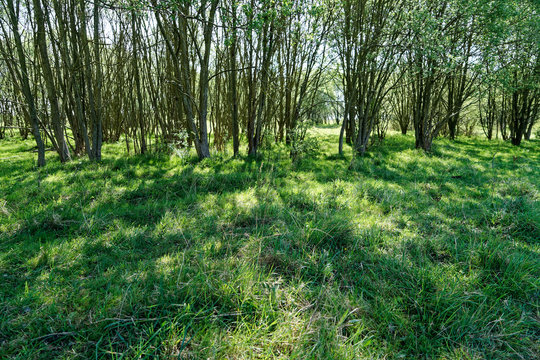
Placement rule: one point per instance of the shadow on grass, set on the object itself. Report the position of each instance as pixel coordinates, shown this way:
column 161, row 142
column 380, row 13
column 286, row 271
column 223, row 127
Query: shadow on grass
column 403, row 255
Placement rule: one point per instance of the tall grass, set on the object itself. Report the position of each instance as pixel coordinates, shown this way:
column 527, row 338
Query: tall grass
column 400, row 254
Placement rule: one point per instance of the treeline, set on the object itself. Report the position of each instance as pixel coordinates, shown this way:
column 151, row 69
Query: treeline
column 207, row 73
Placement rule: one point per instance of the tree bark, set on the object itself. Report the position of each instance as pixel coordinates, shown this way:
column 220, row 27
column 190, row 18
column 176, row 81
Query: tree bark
column 48, row 77
column 25, row 84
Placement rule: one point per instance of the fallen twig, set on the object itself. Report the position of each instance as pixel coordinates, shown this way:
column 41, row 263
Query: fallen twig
column 66, row 333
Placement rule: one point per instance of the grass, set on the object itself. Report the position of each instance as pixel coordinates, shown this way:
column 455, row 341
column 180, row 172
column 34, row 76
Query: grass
column 399, row 255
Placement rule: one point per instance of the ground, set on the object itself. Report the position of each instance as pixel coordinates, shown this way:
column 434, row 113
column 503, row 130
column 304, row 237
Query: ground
column 399, row 254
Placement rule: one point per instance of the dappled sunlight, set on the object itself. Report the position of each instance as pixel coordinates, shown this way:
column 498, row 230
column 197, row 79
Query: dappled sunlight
column 266, row 179
column 282, row 259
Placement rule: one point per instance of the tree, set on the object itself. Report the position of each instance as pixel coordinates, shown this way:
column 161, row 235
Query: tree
column 370, row 45
column 21, row 75
column 439, row 53
column 188, row 19
column 48, row 76
column 512, row 44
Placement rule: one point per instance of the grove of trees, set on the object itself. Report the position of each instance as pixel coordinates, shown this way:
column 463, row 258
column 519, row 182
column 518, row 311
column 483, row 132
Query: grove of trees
column 207, row 73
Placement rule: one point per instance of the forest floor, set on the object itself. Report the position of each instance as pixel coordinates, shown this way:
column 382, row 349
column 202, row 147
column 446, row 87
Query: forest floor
column 400, row 255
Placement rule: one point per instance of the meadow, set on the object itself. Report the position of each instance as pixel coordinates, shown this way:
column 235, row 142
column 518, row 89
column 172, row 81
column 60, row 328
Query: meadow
column 398, row 254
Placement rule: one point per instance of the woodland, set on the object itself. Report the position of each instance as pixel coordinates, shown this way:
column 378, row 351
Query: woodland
column 269, row 179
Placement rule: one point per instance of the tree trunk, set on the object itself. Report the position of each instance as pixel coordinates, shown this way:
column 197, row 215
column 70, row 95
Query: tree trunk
column 98, row 126
column 203, row 82
column 56, row 120
column 140, row 104
column 25, row 85
column 232, row 82
column 342, row 131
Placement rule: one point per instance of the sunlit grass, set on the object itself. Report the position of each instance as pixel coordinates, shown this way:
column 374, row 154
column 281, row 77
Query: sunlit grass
column 399, row 254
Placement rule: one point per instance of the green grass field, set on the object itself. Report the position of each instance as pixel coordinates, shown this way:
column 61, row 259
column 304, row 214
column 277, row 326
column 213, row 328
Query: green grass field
column 399, row 255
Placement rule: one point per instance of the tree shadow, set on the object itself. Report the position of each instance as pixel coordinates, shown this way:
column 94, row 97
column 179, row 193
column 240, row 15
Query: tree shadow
column 152, row 253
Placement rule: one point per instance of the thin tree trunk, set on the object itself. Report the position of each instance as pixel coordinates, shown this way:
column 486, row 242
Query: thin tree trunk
column 233, row 90
column 25, row 85
column 140, row 105
column 97, row 135
column 56, row 120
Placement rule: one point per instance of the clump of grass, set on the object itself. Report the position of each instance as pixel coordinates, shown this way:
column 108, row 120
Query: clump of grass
column 396, row 254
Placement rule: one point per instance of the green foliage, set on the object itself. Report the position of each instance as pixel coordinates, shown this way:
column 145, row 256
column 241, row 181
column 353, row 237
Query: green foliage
column 404, row 255
column 179, row 146
column 303, row 144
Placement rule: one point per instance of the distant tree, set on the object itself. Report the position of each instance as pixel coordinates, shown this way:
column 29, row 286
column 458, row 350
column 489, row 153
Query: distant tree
column 400, row 104
column 513, row 46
